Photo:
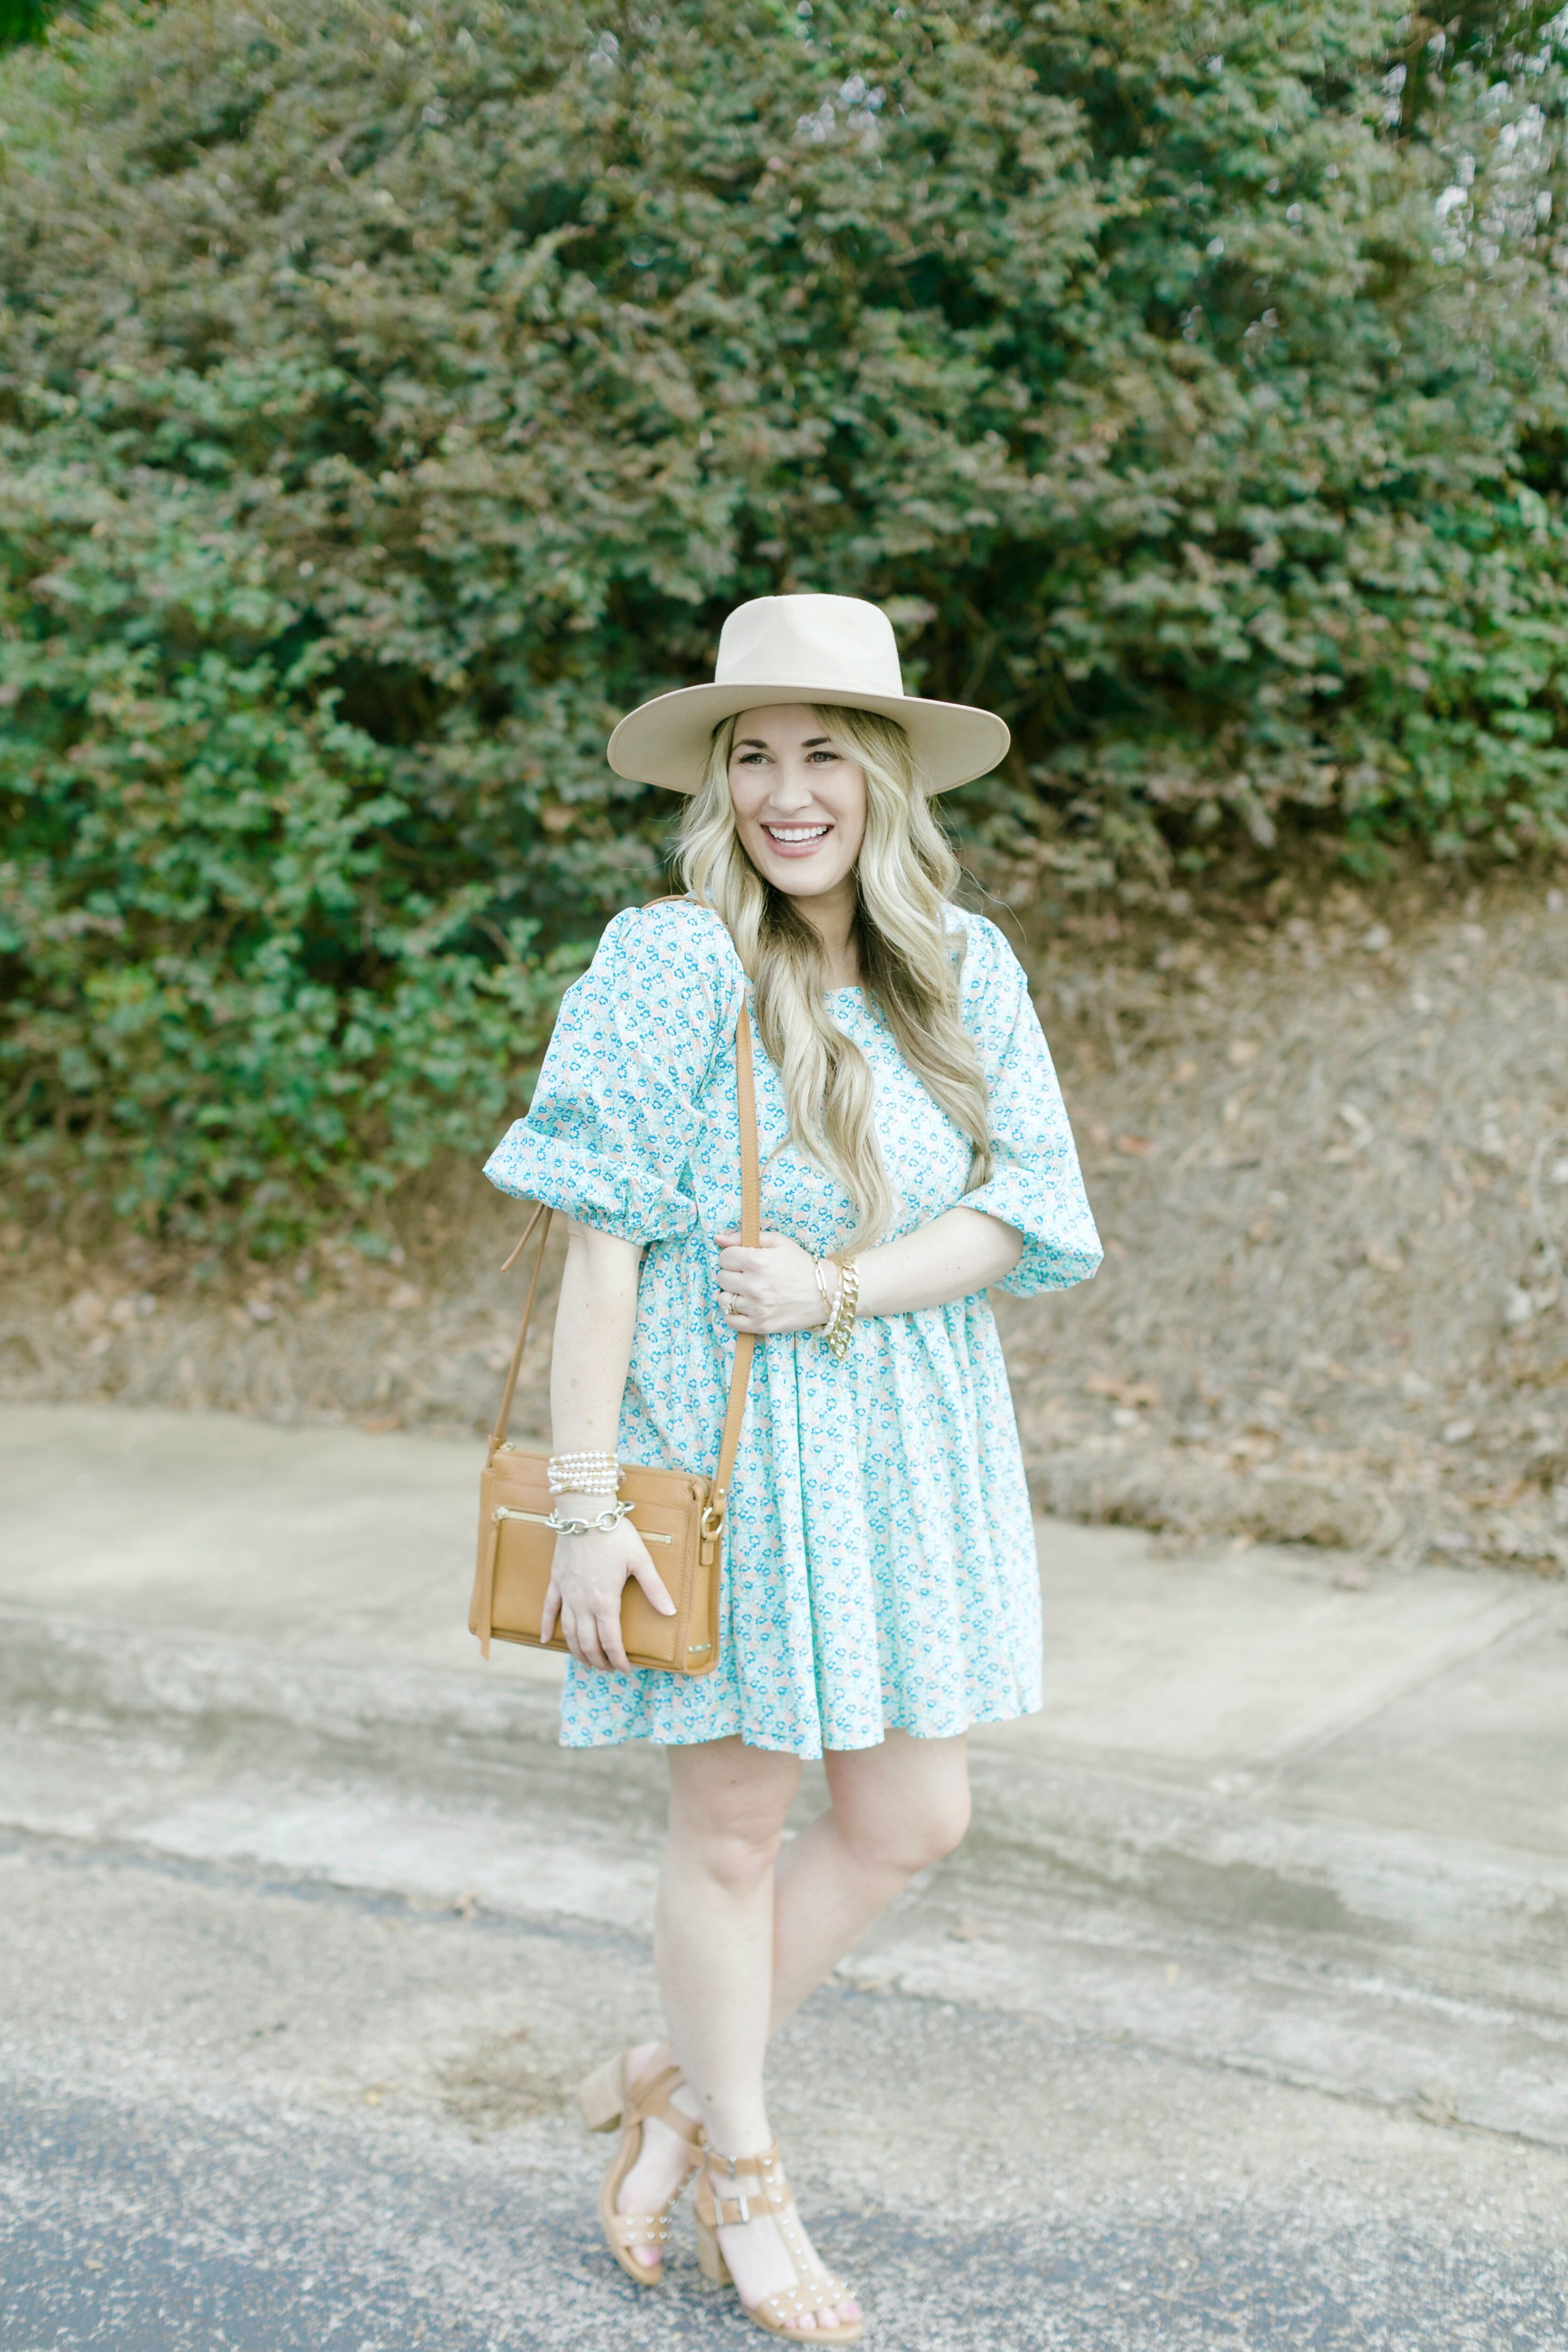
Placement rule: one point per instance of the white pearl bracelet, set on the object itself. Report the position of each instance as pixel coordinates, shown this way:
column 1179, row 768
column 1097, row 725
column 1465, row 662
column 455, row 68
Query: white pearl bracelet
column 583, row 1472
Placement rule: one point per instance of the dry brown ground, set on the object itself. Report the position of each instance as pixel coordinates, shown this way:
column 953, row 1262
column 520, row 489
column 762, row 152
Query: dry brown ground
column 1329, row 1151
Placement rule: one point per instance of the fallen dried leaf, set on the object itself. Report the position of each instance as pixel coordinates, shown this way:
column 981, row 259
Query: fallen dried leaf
column 1438, row 2102
column 1140, row 1394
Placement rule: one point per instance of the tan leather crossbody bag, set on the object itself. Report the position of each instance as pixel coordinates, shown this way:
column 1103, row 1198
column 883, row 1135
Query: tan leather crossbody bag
column 678, row 1514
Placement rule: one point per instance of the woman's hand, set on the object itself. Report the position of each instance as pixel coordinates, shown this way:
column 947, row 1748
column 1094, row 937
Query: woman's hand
column 586, row 1580
column 772, row 1287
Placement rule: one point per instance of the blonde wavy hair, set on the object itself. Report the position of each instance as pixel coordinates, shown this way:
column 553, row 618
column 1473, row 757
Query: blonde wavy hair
column 905, row 875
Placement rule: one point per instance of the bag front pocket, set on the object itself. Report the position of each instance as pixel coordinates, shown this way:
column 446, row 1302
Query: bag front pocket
column 518, row 1550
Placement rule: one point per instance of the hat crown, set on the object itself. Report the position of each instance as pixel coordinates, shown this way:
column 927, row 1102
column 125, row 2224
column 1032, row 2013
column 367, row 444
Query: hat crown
column 838, row 644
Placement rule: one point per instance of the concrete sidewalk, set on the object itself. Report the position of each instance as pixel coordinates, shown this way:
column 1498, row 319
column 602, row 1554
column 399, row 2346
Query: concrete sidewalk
column 1283, row 1866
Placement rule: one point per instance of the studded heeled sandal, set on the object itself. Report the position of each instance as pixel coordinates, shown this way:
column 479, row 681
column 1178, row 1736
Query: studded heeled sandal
column 606, row 2099
column 742, row 2189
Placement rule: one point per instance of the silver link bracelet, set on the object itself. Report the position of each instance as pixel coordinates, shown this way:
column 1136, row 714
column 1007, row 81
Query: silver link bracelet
column 606, row 1524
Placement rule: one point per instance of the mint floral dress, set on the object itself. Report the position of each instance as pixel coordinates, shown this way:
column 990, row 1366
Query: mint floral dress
column 880, row 1563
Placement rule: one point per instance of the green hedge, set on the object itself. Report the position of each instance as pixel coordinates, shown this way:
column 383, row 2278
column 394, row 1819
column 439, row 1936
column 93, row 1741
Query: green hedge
column 388, row 399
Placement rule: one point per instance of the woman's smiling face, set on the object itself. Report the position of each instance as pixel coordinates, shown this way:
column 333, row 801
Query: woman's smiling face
column 800, row 804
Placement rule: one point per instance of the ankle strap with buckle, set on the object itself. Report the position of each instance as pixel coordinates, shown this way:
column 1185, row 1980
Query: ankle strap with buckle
column 771, row 2195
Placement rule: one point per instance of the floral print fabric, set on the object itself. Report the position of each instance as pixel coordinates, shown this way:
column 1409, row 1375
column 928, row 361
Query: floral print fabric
column 880, row 1564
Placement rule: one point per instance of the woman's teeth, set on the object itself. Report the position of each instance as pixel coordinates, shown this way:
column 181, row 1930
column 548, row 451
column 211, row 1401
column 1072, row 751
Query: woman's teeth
column 795, row 832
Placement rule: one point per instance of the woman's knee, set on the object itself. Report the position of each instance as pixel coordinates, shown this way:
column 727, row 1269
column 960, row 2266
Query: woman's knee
column 731, row 1823
column 906, row 1837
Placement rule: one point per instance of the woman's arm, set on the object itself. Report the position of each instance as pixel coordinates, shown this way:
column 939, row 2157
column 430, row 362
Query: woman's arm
column 957, row 1254
column 592, row 1354
column 594, row 1323
column 951, row 1257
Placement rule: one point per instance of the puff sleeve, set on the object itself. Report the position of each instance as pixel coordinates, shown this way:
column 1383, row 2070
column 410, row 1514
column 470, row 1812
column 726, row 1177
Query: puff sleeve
column 1035, row 1185
column 609, row 1135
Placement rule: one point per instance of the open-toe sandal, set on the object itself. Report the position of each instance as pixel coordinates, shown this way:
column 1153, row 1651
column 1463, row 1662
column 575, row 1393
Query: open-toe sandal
column 743, row 2188
column 606, row 2099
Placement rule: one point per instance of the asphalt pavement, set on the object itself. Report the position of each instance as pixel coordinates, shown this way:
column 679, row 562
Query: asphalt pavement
column 1240, row 2020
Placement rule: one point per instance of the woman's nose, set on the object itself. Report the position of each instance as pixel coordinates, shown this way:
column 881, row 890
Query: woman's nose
column 791, row 790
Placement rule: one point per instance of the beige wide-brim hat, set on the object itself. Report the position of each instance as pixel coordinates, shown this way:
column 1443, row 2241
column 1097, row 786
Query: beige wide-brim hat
column 820, row 649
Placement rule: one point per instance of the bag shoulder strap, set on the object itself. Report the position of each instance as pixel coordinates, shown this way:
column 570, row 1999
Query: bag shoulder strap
column 750, row 1233
column 542, row 1218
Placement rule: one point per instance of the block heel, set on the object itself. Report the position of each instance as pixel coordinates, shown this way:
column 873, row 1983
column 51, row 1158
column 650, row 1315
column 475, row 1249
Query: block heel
column 711, row 2257
column 600, row 2095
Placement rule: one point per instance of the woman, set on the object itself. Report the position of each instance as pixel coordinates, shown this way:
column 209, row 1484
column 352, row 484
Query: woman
column 880, row 1589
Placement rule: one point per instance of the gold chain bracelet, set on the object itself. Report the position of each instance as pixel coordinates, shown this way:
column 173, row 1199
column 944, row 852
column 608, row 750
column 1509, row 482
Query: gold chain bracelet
column 839, row 1328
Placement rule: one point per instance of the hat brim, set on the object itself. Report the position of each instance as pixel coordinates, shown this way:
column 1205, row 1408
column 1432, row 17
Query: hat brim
column 666, row 740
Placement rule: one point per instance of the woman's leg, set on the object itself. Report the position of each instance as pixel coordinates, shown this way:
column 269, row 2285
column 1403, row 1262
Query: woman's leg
column 713, row 1943
column 713, row 1933
column 713, row 1948
column 895, row 1810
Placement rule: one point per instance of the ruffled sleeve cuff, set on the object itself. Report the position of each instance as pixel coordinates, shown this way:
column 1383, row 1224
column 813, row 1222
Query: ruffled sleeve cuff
column 1035, row 1185
column 615, row 1196
column 1060, row 1243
